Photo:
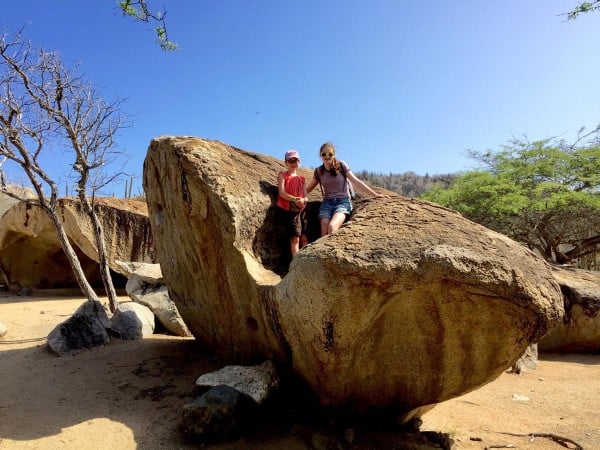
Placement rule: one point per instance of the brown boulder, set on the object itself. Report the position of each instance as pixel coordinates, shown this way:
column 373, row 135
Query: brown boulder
column 407, row 305
column 31, row 256
column 580, row 328
column 7, row 200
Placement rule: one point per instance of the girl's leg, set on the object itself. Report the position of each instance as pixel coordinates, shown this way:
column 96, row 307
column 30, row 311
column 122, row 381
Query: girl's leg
column 324, row 226
column 295, row 245
column 336, row 222
column 303, row 240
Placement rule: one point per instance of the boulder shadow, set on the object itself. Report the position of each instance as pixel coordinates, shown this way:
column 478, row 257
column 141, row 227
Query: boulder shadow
column 271, row 243
column 110, row 382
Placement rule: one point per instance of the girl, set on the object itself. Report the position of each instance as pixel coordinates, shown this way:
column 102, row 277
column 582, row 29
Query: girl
column 334, row 176
column 292, row 200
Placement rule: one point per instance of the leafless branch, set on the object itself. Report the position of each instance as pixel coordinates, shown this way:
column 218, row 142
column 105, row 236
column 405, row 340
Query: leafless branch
column 554, row 437
column 43, row 105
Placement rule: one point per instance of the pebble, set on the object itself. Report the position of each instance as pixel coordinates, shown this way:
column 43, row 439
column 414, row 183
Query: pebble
column 520, row 398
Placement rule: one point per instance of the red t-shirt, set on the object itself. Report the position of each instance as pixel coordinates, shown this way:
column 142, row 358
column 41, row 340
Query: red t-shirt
column 294, row 185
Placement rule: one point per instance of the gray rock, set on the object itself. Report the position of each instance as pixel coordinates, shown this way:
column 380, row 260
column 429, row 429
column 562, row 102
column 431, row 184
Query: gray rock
column 86, row 328
column 528, row 361
column 132, row 321
column 220, row 413
column 142, row 276
column 128, row 267
column 257, row 382
column 149, row 273
column 156, row 298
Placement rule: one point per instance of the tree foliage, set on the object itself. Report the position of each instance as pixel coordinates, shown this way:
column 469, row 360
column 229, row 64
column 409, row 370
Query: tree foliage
column 138, row 10
column 408, row 184
column 583, row 8
column 545, row 194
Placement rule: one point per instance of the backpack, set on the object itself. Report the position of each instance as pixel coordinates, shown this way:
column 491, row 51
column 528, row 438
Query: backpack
column 343, row 171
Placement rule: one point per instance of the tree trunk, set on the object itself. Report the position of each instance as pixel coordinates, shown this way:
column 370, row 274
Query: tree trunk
column 102, row 255
column 85, row 286
column 583, row 247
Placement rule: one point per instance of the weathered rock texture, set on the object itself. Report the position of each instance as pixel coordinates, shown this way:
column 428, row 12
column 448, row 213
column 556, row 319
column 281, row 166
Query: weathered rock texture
column 145, row 286
column 580, row 329
column 31, row 256
column 407, row 305
column 86, row 328
column 257, row 382
column 7, row 201
column 132, row 321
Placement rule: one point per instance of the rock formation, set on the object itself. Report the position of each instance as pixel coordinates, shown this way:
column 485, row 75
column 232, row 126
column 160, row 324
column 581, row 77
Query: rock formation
column 7, row 201
column 580, row 329
column 31, row 256
column 145, row 286
column 407, row 305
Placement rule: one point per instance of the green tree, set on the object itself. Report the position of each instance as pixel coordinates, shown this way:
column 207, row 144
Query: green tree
column 545, row 194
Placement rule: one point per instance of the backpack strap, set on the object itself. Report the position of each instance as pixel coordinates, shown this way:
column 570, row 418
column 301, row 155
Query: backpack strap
column 349, row 186
column 318, row 177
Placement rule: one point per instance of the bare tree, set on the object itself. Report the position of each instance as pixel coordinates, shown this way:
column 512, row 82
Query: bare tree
column 45, row 106
column 2, row 177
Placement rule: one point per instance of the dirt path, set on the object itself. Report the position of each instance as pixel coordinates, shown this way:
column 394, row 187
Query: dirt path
column 129, row 395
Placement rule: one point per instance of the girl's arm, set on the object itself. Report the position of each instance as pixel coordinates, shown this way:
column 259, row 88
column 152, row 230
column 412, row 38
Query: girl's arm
column 281, row 188
column 313, row 183
column 363, row 186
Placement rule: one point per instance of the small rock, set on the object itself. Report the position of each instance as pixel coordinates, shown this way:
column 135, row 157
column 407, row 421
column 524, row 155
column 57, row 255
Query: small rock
column 520, row 398
column 258, row 382
column 220, row 413
column 86, row 328
column 3, row 329
column 132, row 321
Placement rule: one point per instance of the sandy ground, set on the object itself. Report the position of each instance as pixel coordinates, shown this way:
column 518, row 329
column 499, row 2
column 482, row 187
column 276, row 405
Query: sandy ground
column 129, row 395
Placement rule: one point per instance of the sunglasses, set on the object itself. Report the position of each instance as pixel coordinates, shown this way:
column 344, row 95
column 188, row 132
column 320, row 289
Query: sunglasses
column 327, row 154
column 293, row 160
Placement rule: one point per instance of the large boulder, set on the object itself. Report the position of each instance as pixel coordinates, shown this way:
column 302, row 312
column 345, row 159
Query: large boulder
column 580, row 329
column 407, row 305
column 10, row 195
column 31, row 256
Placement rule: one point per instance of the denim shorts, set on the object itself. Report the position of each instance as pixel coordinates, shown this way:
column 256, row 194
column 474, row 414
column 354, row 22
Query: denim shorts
column 331, row 206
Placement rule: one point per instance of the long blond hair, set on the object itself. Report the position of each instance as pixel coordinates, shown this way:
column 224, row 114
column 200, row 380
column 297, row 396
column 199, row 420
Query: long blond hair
column 335, row 164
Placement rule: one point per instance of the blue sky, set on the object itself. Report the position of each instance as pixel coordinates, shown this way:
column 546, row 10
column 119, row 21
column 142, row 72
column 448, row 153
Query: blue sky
column 397, row 85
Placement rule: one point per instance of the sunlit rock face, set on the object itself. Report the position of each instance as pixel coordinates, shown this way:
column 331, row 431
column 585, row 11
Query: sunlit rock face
column 31, row 256
column 407, row 305
column 8, row 199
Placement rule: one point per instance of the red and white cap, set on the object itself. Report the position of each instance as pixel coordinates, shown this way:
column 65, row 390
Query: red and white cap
column 291, row 154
